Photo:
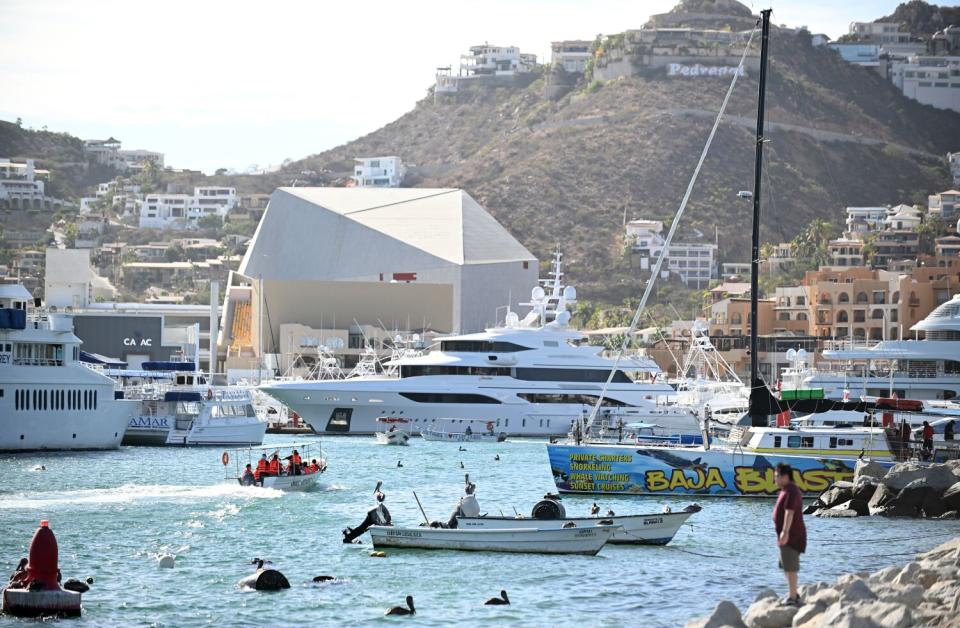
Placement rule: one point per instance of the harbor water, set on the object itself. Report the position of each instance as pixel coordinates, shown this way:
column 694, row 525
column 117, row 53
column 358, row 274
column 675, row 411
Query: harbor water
column 115, row 512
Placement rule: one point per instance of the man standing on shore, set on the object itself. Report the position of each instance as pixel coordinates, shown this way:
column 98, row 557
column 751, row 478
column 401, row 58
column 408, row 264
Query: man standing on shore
column 791, row 532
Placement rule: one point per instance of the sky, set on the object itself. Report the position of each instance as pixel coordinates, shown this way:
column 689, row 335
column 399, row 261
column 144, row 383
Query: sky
column 235, row 84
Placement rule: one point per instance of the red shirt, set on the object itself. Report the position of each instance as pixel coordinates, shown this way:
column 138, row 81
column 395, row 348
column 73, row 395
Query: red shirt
column 790, row 498
column 928, row 432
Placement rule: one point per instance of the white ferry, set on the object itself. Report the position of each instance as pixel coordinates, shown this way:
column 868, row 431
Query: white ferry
column 48, row 399
column 177, row 408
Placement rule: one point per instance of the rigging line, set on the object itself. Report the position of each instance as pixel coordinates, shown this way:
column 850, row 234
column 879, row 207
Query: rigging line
column 655, row 272
column 863, row 541
column 677, row 549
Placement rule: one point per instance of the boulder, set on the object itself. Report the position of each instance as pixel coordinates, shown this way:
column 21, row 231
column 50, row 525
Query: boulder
column 868, row 469
column 836, row 513
column 908, row 501
column 856, row 591
column 769, row 613
column 881, row 497
column 886, row 614
column 908, row 594
column 826, row 597
column 864, row 488
column 938, row 476
column 839, row 493
column 725, row 614
column 932, row 506
column 807, row 612
column 951, row 497
column 765, row 594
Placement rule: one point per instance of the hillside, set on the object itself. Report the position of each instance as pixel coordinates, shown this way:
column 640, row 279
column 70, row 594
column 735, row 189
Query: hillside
column 920, row 18
column 565, row 172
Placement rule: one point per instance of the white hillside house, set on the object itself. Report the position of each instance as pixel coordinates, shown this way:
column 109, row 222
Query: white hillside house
column 378, row 172
column 694, row 264
column 183, row 211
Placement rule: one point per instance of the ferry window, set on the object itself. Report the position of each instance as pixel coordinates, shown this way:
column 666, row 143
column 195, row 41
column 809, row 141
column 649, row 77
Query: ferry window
column 793, row 441
column 806, row 441
column 481, row 346
column 776, row 441
column 833, row 442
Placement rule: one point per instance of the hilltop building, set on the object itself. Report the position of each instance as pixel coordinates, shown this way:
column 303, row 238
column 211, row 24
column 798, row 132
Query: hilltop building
column 378, row 172
column 953, row 159
column 487, row 65
column 404, row 259
column 22, row 186
column 108, row 153
column 571, row 54
column 168, row 211
column 944, row 204
column 933, row 81
column 879, row 32
column 694, row 264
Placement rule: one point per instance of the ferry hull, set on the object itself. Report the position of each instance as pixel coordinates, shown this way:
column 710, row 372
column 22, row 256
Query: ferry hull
column 62, row 431
column 616, row 469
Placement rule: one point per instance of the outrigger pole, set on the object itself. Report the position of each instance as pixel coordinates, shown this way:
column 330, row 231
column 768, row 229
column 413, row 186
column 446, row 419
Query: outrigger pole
column 758, row 416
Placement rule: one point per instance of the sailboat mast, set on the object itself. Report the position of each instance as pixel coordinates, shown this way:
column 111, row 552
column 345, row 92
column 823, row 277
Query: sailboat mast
column 755, row 382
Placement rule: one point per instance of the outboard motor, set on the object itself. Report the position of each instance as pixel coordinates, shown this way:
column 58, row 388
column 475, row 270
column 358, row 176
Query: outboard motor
column 376, row 516
column 468, row 506
column 549, row 508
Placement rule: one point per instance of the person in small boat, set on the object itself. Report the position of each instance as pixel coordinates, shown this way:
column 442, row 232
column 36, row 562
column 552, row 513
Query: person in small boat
column 262, row 468
column 314, row 467
column 948, row 431
column 274, row 467
column 248, row 478
column 468, row 431
column 296, row 461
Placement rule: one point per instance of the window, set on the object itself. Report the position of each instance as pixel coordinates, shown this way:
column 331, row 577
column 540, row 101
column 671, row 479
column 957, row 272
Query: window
column 736, row 319
column 571, row 375
column 862, row 297
column 448, row 398
column 776, row 441
column 481, row 346
column 859, row 316
column 842, row 316
column 843, row 297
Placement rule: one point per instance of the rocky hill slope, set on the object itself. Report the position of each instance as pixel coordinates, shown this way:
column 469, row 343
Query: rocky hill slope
column 567, row 171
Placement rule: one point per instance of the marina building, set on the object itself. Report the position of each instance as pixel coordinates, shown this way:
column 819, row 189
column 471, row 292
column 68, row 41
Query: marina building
column 862, row 220
column 400, row 259
column 487, row 60
column 693, row 263
column 22, row 186
column 846, row 251
column 879, row 32
column 378, row 172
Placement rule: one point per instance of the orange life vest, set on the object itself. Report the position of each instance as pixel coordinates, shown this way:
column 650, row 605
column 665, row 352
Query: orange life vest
column 274, row 467
column 296, row 460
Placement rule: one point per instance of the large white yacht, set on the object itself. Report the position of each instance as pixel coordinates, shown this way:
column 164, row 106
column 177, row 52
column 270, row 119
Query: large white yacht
column 48, row 398
column 529, row 377
column 910, row 369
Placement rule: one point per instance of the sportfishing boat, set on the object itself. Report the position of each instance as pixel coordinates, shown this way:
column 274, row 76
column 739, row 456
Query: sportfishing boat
column 392, row 435
column 178, row 408
column 530, row 377
column 468, row 435
column 927, row 369
column 288, row 478
column 531, row 540
column 49, row 400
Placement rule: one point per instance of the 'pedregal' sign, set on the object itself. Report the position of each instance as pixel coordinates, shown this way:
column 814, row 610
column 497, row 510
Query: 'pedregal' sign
column 696, row 69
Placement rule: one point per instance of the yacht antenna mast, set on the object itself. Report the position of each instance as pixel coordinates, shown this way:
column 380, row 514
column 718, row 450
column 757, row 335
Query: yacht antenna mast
column 757, row 418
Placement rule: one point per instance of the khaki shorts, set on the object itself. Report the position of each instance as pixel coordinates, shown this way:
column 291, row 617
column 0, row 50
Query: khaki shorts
column 789, row 559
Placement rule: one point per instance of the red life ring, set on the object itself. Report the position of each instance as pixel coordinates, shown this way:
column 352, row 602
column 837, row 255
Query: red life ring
column 225, row 458
column 490, row 426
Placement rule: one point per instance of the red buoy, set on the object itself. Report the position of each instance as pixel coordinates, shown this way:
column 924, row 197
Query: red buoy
column 42, row 566
column 35, row 591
